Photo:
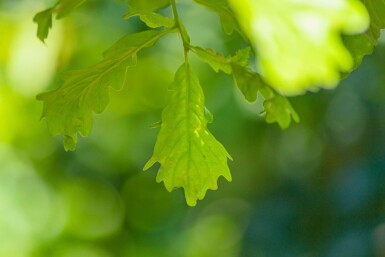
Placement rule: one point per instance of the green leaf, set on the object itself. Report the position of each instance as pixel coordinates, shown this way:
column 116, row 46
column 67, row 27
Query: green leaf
column 278, row 108
column 44, row 23
column 242, row 57
column 363, row 44
column 44, row 18
column 298, row 42
column 156, row 124
column 155, row 20
column 68, row 109
column 64, row 7
column 215, row 60
column 228, row 24
column 376, row 10
column 228, row 20
column 137, row 7
column 189, row 155
column 208, row 115
column 248, row 82
column 134, row 42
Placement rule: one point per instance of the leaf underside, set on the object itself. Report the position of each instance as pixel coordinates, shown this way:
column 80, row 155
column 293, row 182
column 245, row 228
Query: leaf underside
column 189, row 155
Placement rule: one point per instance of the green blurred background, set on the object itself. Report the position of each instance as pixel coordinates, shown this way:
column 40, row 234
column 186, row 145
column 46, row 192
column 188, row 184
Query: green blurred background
column 315, row 189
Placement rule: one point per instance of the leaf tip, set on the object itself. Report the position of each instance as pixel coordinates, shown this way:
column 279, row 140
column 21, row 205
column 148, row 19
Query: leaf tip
column 149, row 164
column 229, row 156
column 228, row 177
column 70, row 143
column 44, row 23
column 155, row 125
column 191, row 202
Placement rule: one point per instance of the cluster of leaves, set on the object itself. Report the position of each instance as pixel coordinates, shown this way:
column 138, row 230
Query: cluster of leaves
column 189, row 155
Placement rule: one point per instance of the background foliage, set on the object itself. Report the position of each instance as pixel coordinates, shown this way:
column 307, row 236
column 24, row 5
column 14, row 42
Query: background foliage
column 315, row 189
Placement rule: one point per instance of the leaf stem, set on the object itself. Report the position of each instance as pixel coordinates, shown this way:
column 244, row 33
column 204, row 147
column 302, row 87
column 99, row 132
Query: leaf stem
column 182, row 30
column 175, row 11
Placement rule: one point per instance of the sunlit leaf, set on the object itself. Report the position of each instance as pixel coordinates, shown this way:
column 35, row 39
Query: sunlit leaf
column 68, row 109
column 189, row 155
column 298, row 42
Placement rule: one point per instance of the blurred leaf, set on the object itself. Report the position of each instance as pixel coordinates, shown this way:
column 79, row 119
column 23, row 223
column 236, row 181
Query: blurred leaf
column 227, row 17
column 156, row 124
column 136, row 7
column 44, row 23
column 242, row 57
column 44, row 18
column 215, row 60
column 363, row 44
column 64, row 7
column 278, row 108
column 155, row 20
column 208, row 115
column 69, row 108
column 228, row 24
column 376, row 10
column 189, row 155
column 248, row 82
column 298, row 42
